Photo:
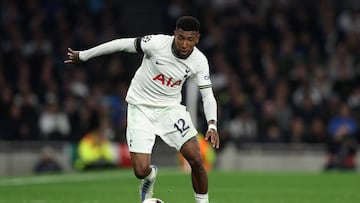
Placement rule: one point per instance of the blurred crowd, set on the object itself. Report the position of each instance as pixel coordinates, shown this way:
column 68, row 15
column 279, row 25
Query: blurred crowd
column 283, row 71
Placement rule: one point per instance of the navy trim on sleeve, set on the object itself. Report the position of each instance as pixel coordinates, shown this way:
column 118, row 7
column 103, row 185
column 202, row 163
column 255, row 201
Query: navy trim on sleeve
column 205, row 86
column 138, row 45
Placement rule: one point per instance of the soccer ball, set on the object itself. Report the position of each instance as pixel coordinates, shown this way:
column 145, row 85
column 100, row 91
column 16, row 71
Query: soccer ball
column 153, row 200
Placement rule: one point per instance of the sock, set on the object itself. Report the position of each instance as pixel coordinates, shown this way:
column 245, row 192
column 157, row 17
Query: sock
column 151, row 175
column 201, row 198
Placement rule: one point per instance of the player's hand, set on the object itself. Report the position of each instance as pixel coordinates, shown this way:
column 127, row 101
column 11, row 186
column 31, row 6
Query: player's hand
column 213, row 135
column 73, row 56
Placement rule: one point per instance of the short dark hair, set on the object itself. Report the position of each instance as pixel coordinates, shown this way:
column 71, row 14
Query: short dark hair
column 188, row 23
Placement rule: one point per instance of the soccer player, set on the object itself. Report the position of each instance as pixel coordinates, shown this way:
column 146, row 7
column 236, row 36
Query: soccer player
column 154, row 97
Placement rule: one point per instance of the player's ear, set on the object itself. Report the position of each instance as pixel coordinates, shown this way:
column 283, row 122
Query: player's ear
column 197, row 38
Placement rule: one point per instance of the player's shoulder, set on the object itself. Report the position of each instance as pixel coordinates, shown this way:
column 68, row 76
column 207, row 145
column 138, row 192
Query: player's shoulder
column 198, row 56
column 156, row 40
column 199, row 53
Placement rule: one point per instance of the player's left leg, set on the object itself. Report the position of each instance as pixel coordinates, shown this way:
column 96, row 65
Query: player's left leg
column 191, row 152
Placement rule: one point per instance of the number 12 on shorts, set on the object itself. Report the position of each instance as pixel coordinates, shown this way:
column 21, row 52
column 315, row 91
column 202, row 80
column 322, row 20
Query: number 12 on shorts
column 181, row 126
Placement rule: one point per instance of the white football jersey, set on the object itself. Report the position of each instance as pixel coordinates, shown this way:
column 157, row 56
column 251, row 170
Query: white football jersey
column 161, row 75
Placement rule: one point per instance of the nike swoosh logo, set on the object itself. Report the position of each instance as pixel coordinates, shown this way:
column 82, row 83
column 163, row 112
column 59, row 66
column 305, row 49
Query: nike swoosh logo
column 183, row 135
column 158, row 63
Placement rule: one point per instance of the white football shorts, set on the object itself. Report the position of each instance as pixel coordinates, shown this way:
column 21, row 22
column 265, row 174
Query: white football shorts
column 172, row 124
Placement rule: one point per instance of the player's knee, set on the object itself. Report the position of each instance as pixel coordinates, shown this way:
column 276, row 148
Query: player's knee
column 141, row 171
column 196, row 162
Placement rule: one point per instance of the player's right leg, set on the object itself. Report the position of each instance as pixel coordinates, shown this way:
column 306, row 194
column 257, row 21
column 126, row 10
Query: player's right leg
column 140, row 137
column 146, row 172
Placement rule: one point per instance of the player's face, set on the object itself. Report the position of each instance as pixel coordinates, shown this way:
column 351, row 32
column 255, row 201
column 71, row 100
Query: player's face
column 185, row 42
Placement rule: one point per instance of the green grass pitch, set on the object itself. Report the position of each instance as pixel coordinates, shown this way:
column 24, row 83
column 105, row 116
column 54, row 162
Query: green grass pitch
column 172, row 186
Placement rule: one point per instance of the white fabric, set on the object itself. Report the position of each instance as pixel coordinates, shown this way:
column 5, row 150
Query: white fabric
column 202, row 198
column 161, row 75
column 209, row 103
column 126, row 44
column 172, row 124
column 152, row 175
column 212, row 126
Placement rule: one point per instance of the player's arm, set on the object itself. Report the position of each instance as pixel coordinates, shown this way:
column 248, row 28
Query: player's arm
column 210, row 110
column 126, row 44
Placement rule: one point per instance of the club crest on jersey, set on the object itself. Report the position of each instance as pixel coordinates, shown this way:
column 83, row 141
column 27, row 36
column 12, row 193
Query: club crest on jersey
column 170, row 82
column 187, row 71
column 146, row 38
